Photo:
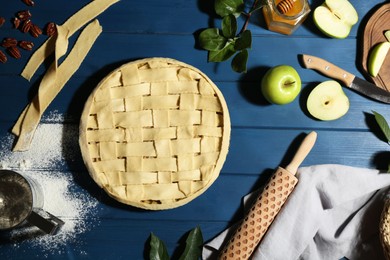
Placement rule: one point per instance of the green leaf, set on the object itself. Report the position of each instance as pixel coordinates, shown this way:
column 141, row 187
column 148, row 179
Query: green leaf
column 211, row 40
column 194, row 245
column 244, row 41
column 226, row 7
column 239, row 61
column 384, row 126
column 258, row 5
column 158, row 250
column 229, row 26
column 223, row 54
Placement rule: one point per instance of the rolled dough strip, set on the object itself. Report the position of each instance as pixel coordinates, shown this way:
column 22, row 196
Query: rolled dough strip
column 26, row 125
column 74, row 23
column 61, row 45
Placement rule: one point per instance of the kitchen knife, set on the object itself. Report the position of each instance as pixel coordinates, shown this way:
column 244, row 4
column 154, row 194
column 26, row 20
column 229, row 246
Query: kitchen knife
column 360, row 85
column 267, row 205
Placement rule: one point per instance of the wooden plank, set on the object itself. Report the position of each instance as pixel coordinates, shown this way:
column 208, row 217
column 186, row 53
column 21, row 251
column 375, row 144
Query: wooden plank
column 255, row 150
column 173, row 17
column 266, row 52
column 246, row 105
column 248, row 108
column 113, row 239
column 251, row 150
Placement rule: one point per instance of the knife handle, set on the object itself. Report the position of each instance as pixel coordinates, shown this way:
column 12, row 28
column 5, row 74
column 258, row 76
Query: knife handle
column 303, row 150
column 327, row 68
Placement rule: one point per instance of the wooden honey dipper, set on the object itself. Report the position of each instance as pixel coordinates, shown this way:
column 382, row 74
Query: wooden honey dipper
column 267, row 205
column 285, row 5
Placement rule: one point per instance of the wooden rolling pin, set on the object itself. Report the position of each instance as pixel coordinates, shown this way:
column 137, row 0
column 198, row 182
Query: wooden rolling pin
column 265, row 208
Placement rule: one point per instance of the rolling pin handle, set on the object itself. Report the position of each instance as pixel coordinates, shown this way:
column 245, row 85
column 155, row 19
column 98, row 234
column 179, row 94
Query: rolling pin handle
column 303, row 150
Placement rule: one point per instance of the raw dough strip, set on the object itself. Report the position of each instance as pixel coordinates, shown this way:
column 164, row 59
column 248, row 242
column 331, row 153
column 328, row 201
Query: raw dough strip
column 60, row 50
column 29, row 120
column 73, row 24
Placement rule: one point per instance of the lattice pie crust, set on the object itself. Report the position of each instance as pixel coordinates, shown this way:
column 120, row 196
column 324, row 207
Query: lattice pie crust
column 155, row 133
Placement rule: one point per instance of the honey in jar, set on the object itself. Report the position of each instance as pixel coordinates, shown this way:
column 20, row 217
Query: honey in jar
column 285, row 16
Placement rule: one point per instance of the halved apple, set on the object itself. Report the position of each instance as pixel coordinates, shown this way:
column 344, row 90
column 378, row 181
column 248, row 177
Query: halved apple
column 327, row 101
column 377, row 56
column 335, row 18
column 387, row 35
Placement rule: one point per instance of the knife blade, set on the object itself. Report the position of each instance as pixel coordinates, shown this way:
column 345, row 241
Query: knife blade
column 351, row 81
column 267, row 205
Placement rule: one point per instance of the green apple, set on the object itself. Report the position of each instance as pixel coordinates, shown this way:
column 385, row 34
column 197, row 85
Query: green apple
column 281, row 84
column 377, row 56
column 335, row 18
column 387, row 35
column 327, row 101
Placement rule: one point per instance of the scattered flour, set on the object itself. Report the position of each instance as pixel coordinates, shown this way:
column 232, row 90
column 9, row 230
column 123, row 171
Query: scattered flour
column 53, row 147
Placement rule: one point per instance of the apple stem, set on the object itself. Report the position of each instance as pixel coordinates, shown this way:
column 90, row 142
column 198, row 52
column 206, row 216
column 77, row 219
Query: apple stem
column 289, row 83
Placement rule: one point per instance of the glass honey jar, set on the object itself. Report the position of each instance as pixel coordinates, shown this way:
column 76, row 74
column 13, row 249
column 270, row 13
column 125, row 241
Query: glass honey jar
column 285, row 16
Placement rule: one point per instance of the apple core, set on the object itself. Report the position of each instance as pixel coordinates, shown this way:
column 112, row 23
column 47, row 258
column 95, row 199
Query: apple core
column 327, row 101
column 335, row 18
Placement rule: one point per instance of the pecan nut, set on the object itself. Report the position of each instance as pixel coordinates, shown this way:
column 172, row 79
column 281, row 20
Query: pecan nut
column 50, row 29
column 3, row 58
column 14, row 52
column 28, row 2
column 8, row 42
column 26, row 26
column 35, row 31
column 2, row 21
column 24, row 15
column 26, row 45
column 16, row 22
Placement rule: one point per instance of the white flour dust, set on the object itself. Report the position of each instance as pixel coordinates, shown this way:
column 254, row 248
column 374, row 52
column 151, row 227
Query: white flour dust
column 52, row 148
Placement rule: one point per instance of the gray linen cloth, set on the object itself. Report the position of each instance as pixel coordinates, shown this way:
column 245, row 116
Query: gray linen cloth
column 333, row 212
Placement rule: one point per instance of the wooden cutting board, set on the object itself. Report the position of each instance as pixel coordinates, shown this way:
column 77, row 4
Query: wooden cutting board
column 378, row 23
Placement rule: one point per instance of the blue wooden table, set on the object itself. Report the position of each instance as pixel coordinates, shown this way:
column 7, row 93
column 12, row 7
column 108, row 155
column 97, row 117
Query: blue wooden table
column 263, row 136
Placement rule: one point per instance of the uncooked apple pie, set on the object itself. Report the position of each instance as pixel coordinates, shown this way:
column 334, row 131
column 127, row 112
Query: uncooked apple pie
column 155, row 133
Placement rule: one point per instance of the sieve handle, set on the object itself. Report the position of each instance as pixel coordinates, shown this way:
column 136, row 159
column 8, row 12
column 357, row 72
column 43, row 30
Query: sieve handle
column 45, row 221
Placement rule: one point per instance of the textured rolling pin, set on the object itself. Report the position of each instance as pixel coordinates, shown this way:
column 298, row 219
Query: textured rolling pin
column 265, row 208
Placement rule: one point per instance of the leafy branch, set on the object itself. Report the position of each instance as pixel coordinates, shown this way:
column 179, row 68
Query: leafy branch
column 193, row 249
column 223, row 43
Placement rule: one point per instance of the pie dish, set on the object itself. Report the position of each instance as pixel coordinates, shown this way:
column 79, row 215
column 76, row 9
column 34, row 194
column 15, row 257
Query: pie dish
column 155, row 133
